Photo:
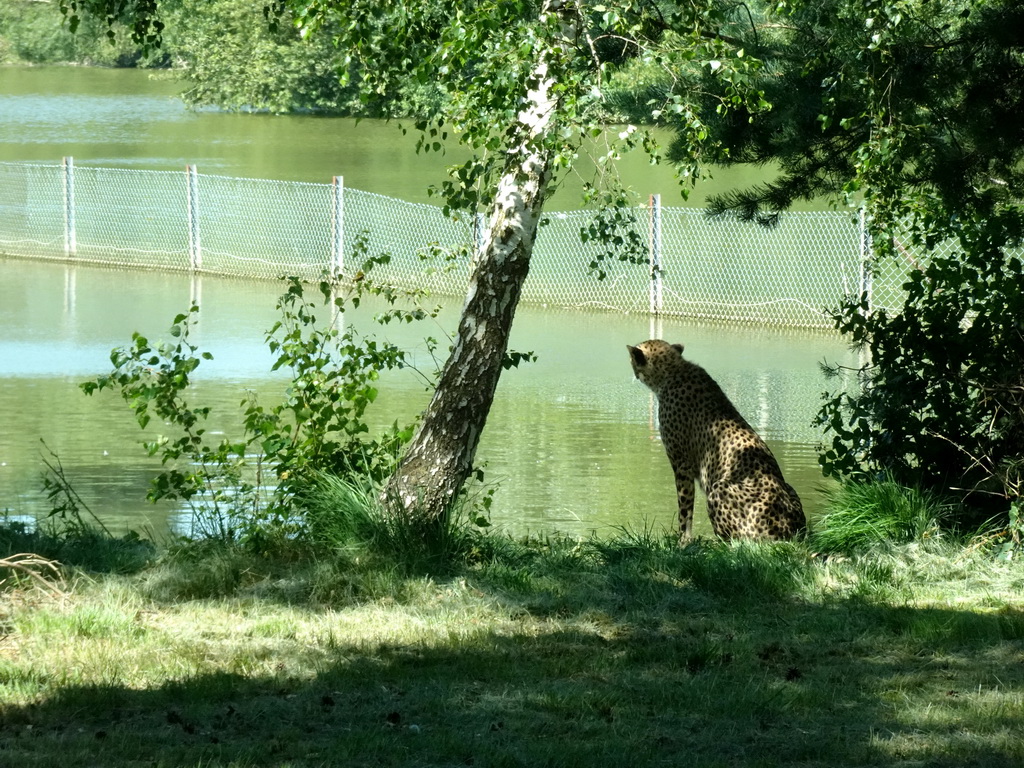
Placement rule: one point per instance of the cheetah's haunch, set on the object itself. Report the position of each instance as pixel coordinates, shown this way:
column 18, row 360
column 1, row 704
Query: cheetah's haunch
column 708, row 441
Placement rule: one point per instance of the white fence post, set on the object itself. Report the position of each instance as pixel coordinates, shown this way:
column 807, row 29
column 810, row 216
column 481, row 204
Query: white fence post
column 70, row 236
column 866, row 277
column 337, row 265
column 195, row 248
column 656, row 296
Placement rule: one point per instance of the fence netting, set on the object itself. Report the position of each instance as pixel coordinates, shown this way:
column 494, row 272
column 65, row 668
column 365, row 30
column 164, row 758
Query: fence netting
column 691, row 265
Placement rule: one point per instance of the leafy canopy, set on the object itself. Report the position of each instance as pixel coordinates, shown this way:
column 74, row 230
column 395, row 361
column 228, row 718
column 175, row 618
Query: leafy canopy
column 908, row 104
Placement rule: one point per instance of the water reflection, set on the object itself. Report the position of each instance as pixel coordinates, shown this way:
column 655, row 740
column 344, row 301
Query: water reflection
column 571, row 438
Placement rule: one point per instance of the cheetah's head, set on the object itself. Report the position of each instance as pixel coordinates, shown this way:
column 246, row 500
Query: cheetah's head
column 654, row 361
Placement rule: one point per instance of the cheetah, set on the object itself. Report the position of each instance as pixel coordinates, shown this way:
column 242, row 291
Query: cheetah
column 706, row 439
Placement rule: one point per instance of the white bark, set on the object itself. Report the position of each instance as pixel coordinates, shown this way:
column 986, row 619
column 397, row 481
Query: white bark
column 440, row 457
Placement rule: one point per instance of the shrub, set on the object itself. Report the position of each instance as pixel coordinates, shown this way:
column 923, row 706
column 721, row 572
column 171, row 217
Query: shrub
column 245, row 487
column 941, row 404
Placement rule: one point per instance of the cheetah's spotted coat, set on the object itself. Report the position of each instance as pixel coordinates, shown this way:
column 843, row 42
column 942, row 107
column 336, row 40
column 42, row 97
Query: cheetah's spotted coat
column 707, row 440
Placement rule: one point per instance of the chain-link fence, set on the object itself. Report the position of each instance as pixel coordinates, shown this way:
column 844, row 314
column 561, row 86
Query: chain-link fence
column 690, row 266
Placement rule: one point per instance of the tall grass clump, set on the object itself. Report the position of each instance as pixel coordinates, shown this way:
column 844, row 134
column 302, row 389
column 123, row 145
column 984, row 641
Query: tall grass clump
column 862, row 515
column 342, row 514
column 203, row 569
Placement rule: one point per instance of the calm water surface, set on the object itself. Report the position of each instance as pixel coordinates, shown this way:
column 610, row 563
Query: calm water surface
column 125, row 118
column 571, row 438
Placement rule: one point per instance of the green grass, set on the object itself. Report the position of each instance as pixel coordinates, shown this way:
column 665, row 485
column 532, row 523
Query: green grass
column 554, row 651
column 344, row 516
column 862, row 515
column 87, row 548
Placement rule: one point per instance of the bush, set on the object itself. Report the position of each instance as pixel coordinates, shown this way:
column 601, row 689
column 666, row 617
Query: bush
column 245, row 488
column 941, row 405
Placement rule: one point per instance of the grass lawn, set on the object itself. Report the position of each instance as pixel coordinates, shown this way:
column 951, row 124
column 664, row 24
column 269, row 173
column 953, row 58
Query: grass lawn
column 631, row 652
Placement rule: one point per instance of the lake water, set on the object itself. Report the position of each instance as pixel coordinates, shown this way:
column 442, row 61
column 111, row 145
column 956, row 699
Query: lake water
column 126, row 118
column 571, row 439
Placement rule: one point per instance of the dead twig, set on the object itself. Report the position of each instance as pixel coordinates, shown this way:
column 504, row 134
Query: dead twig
column 43, row 573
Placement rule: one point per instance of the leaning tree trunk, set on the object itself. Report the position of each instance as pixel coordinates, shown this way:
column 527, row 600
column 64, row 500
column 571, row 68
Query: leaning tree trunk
column 440, row 457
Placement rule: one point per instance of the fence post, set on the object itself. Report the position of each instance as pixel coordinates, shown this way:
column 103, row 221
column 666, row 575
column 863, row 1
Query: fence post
column 70, row 236
column 656, row 297
column 866, row 278
column 337, row 265
column 195, row 248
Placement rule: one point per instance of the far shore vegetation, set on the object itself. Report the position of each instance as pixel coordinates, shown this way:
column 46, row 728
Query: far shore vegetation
column 222, row 59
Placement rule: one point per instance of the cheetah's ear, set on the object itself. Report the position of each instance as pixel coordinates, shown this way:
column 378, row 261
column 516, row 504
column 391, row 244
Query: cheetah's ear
column 678, row 348
column 639, row 358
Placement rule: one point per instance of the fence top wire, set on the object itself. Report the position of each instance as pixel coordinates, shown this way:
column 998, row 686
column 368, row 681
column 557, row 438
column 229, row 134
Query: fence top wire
column 584, row 213
column 693, row 264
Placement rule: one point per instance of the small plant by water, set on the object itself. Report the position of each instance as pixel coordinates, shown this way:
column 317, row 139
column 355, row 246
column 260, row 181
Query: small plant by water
column 246, row 487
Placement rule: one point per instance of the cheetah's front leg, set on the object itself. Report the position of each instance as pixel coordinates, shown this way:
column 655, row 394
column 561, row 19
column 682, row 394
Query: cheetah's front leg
column 685, row 494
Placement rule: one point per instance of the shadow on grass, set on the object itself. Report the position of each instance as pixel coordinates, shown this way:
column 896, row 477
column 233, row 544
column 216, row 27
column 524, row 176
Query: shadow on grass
column 693, row 658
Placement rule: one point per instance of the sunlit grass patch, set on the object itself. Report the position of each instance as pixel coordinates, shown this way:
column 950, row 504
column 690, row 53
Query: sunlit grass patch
column 70, row 621
column 861, row 515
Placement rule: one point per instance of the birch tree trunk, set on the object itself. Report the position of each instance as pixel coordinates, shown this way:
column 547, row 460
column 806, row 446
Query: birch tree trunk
column 440, row 457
